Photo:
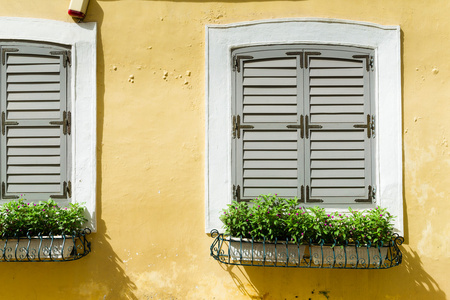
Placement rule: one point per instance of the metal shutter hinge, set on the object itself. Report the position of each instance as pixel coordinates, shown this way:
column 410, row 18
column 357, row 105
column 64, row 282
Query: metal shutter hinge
column 6, row 123
column 237, row 61
column 236, row 192
column 4, row 196
column 301, row 126
column 66, row 56
column 308, row 200
column 66, row 122
column 369, row 60
column 370, row 196
column 67, row 191
column 4, row 50
column 308, row 126
column 299, row 54
column 309, row 54
column 370, row 126
column 237, row 127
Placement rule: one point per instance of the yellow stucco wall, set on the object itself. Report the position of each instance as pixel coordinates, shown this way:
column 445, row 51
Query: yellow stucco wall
column 150, row 242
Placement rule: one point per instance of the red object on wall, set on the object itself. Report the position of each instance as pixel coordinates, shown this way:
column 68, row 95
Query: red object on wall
column 76, row 14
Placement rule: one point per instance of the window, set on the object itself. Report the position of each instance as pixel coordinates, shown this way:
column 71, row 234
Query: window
column 376, row 178
column 48, row 108
column 303, row 124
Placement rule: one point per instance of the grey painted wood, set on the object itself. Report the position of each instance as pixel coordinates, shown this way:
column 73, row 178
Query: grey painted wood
column 271, row 92
column 274, row 100
column 270, row 173
column 271, row 63
column 33, row 92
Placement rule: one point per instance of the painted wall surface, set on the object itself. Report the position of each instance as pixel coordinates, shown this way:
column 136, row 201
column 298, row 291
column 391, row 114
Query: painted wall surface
column 150, row 242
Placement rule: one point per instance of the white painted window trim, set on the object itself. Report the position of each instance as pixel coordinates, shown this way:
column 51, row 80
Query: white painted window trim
column 82, row 38
column 385, row 40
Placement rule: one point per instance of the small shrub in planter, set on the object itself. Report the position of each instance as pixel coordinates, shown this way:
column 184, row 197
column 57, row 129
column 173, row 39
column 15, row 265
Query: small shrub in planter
column 28, row 227
column 271, row 219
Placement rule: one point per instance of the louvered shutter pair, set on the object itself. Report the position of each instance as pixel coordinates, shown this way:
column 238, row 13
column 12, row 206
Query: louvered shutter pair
column 303, row 125
column 36, row 125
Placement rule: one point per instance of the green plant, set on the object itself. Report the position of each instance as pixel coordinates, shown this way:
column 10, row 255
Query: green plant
column 269, row 217
column 21, row 218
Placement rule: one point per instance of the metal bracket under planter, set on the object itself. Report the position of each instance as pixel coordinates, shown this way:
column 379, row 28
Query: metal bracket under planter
column 51, row 248
column 247, row 252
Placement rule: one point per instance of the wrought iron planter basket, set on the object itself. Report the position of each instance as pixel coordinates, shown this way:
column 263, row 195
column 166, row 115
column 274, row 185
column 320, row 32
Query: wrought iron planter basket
column 49, row 248
column 246, row 252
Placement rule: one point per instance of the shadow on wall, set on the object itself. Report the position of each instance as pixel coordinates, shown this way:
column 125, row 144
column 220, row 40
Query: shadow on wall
column 409, row 280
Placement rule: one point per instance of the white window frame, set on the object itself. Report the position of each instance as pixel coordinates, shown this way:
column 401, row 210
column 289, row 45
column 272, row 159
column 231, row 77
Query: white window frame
column 82, row 39
column 385, row 40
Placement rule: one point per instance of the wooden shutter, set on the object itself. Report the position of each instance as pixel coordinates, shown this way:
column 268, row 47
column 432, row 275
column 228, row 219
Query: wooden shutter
column 338, row 155
column 269, row 155
column 36, row 122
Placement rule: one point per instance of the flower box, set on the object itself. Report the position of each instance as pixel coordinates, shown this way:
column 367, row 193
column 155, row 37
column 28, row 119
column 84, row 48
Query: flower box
column 280, row 252
column 350, row 255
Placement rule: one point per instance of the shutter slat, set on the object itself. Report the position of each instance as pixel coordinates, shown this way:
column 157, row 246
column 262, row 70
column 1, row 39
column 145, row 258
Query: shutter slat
column 34, row 160
column 336, row 91
column 271, row 63
column 338, row 192
column 333, row 135
column 291, row 91
column 25, row 78
column 325, row 81
column 34, row 87
column 33, row 170
column 270, row 109
column 278, row 100
column 270, row 173
column 337, row 164
column 35, row 105
column 270, row 164
column 337, row 99
column 272, row 182
column 260, row 72
column 270, row 155
column 34, row 142
column 33, row 151
column 50, row 68
column 337, row 154
column 36, row 96
column 317, row 62
column 338, row 173
column 253, row 135
column 337, row 109
column 335, row 118
column 33, row 188
column 270, row 145
column 34, row 132
column 270, row 81
column 280, row 191
column 336, row 72
column 34, row 179
column 337, row 182
column 14, row 59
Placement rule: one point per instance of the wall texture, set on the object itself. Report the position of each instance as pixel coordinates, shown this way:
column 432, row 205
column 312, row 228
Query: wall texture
column 150, row 242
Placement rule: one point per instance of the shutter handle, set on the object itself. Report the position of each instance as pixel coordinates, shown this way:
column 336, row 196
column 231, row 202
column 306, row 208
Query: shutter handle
column 307, row 126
